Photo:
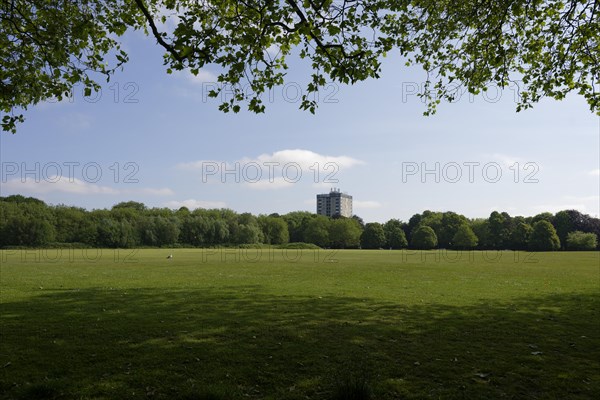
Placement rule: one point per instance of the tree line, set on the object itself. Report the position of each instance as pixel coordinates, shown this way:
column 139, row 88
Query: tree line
column 29, row 222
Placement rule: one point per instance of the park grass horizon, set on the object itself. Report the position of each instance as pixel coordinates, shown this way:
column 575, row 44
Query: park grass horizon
column 297, row 323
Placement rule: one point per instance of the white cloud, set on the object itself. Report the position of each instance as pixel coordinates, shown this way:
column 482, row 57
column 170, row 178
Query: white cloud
column 57, row 184
column 266, row 184
column 170, row 21
column 303, row 158
column 192, row 204
column 366, row 204
column 151, row 191
column 584, row 204
column 75, row 186
column 594, row 198
column 554, row 208
column 192, row 86
column 594, row 172
column 307, row 159
column 53, row 102
column 203, row 76
column 273, row 51
column 324, row 185
column 76, row 121
column 507, row 160
column 202, row 165
column 277, row 170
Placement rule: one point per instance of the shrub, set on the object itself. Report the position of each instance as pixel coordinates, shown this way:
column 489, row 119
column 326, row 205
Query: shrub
column 581, row 241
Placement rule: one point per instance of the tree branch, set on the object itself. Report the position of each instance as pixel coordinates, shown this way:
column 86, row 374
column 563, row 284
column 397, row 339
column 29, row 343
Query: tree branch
column 156, row 33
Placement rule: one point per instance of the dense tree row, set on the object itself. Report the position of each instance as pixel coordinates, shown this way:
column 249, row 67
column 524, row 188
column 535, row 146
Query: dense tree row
column 26, row 221
column 567, row 230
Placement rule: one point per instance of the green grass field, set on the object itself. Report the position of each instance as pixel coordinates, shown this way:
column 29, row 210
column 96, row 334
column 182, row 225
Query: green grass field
column 268, row 324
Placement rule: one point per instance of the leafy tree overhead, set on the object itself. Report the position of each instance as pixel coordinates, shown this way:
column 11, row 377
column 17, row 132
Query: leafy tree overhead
column 48, row 47
column 551, row 46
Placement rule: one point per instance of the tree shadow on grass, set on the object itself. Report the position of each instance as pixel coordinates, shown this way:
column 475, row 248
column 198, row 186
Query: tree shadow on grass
column 248, row 344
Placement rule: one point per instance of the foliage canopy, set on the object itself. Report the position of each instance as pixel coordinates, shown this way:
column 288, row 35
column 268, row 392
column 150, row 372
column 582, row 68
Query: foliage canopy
column 550, row 47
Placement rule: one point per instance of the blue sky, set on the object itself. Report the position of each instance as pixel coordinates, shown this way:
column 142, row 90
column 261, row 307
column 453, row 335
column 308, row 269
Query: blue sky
column 156, row 138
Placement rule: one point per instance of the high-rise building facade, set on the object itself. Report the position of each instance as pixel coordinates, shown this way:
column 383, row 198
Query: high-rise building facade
column 334, row 203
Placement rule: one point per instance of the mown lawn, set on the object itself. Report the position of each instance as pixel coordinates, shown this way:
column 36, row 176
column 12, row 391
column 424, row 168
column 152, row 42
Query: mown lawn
column 269, row 324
